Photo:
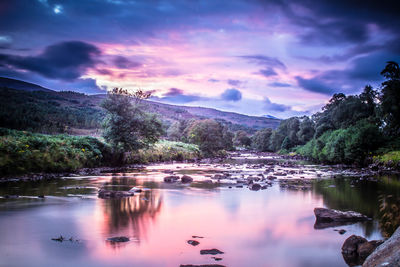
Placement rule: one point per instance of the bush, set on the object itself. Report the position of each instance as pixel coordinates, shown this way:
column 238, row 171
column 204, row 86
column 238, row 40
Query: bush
column 24, row 152
column 165, row 151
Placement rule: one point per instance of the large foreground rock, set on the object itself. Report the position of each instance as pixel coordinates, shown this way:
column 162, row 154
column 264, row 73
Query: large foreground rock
column 387, row 254
column 356, row 249
column 329, row 215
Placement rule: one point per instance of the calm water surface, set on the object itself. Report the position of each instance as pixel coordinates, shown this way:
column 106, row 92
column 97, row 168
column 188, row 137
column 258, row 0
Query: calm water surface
column 271, row 227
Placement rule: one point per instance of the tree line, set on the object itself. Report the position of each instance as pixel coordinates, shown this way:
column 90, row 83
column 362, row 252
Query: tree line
column 348, row 129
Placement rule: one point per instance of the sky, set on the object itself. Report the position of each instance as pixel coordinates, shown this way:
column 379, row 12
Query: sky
column 280, row 57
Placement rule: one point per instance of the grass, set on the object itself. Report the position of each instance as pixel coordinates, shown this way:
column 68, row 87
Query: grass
column 165, row 151
column 391, row 158
column 23, row 152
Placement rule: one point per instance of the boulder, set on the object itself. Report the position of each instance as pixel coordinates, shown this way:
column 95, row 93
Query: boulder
column 386, row 254
column 330, row 215
column 186, row 179
column 255, row 187
column 171, row 178
column 356, row 249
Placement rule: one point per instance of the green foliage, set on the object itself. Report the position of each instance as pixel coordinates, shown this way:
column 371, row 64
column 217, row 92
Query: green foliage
column 241, row 139
column 165, row 151
column 127, row 126
column 390, row 98
column 23, row 152
column 210, row 136
column 261, row 140
column 349, row 145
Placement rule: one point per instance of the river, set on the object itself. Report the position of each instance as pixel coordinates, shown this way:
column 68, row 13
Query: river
column 274, row 226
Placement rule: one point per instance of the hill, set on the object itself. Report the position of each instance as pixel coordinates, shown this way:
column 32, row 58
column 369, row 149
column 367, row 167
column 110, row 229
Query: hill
column 35, row 108
column 21, row 85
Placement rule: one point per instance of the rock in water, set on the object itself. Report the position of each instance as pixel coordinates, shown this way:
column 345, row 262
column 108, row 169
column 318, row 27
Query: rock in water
column 118, row 239
column 193, row 242
column 186, row 179
column 171, row 178
column 387, row 254
column 255, row 187
column 356, row 249
column 213, row 251
column 331, row 218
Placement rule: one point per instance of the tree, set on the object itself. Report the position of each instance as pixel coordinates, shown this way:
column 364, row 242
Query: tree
column 390, row 98
column 241, row 139
column 208, row 135
column 126, row 125
column 261, row 140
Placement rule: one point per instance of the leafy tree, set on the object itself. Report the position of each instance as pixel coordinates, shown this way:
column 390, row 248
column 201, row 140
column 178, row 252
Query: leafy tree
column 390, row 98
column 241, row 139
column 126, row 125
column 208, row 135
column 306, row 130
column 261, row 140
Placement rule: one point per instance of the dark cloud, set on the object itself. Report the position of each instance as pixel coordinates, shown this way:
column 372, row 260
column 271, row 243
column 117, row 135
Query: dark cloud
column 231, row 95
column 234, row 82
column 124, row 63
column 268, row 72
column 360, row 71
column 279, row 84
column 314, row 85
column 270, row 106
column 65, row 61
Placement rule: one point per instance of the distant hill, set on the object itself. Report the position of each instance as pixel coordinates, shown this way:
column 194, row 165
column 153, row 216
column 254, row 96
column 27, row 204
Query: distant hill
column 21, row 85
column 27, row 106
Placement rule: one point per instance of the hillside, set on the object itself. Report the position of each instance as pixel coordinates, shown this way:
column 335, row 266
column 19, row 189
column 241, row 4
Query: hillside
column 32, row 107
column 21, row 85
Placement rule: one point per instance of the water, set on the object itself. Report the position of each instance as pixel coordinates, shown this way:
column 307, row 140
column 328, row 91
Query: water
column 271, row 227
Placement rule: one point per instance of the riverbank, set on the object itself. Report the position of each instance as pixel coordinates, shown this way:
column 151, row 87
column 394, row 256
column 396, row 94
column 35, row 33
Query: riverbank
column 26, row 154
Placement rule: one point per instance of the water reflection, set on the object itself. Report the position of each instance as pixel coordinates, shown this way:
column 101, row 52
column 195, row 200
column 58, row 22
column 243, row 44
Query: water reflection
column 131, row 216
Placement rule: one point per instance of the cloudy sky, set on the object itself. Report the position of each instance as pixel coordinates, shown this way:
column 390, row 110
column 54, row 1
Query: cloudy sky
column 278, row 57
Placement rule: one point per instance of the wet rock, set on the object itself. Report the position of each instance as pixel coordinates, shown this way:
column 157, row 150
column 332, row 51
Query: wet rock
column 196, row 236
column 212, row 251
column 356, row 249
column 105, row 194
column 280, row 174
column 271, row 177
column 186, row 179
column 40, row 196
column 342, row 231
column 331, row 215
column 171, row 178
column 351, row 244
column 193, row 242
column 365, row 249
column 118, row 239
column 216, row 258
column 255, row 187
column 386, row 254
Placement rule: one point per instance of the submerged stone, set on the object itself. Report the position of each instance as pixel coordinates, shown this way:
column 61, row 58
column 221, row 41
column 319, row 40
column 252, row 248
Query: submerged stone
column 212, row 251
